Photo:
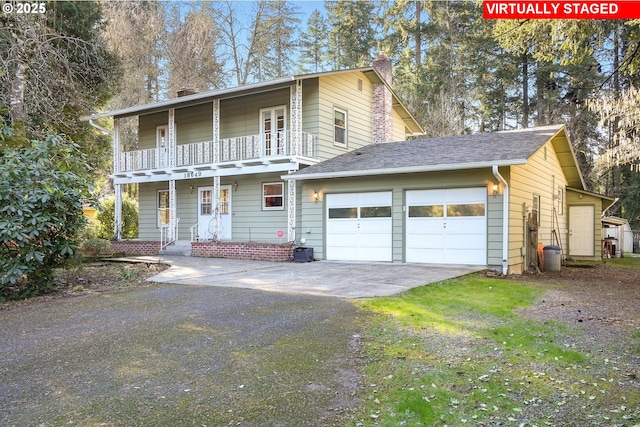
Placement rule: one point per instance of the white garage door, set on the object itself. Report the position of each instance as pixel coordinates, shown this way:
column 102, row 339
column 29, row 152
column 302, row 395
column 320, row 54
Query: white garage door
column 447, row 226
column 359, row 226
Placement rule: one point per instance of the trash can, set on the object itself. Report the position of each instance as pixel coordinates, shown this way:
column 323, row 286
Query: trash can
column 303, row 254
column 552, row 258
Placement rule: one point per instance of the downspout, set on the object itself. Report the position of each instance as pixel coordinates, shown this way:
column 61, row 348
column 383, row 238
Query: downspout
column 505, row 220
column 100, row 128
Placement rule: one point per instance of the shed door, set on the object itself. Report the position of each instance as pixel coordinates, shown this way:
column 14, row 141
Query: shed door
column 581, row 230
column 359, row 226
column 447, row 226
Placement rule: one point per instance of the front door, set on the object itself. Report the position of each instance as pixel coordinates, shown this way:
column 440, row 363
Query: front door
column 207, row 214
column 581, row 230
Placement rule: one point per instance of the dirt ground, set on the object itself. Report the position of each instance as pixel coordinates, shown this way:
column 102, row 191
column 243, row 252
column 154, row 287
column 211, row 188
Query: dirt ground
column 602, row 296
column 604, row 301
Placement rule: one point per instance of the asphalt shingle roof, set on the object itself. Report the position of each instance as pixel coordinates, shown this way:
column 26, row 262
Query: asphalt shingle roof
column 458, row 152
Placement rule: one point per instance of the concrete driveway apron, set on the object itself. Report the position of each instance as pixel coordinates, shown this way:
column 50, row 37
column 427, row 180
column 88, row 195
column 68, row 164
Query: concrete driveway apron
column 326, row 278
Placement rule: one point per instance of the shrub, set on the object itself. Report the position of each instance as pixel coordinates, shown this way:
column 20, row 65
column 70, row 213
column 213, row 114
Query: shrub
column 41, row 197
column 106, row 214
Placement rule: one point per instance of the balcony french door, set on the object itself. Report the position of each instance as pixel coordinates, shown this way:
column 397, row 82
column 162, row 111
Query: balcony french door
column 273, row 129
column 162, row 144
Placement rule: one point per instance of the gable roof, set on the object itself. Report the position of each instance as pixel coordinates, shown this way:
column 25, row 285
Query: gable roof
column 203, row 97
column 448, row 153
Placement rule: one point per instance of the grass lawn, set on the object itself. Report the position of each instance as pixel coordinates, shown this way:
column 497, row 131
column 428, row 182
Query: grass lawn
column 459, row 353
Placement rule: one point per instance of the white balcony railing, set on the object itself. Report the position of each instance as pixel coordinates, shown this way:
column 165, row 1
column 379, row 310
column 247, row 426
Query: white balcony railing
column 241, row 148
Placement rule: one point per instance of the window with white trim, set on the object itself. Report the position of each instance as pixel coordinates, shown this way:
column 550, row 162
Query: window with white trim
column 560, row 200
column 339, row 127
column 164, row 211
column 273, row 196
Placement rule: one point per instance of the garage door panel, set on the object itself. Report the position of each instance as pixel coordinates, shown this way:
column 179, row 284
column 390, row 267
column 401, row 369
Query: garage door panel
column 359, row 226
column 459, row 237
column 425, row 241
column 427, row 197
column 425, row 255
column 341, row 227
column 465, row 242
column 465, row 256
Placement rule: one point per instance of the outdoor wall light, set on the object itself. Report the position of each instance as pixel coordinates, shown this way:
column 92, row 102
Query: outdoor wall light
column 495, row 188
column 235, row 185
column 315, row 196
column 191, row 189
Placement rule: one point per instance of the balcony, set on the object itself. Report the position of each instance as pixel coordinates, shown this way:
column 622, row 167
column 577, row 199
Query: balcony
column 233, row 153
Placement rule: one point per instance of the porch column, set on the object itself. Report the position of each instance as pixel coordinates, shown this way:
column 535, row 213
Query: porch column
column 291, row 207
column 215, row 197
column 117, row 188
column 172, row 233
column 296, row 118
column 171, row 140
column 117, row 216
column 216, row 131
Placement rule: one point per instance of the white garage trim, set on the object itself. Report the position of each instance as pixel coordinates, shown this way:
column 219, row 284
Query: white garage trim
column 446, row 226
column 359, row 226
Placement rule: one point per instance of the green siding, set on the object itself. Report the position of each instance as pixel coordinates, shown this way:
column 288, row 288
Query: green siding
column 147, row 125
column 249, row 221
column 241, row 116
column 194, row 124
column 341, row 91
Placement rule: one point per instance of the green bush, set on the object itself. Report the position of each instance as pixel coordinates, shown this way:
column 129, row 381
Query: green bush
column 106, row 214
column 41, row 197
column 95, row 246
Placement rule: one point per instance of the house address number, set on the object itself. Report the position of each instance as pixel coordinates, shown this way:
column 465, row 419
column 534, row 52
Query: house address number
column 196, row 174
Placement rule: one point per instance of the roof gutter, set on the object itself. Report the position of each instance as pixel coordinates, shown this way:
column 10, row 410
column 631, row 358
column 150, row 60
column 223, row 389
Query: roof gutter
column 609, row 207
column 409, row 169
column 505, row 219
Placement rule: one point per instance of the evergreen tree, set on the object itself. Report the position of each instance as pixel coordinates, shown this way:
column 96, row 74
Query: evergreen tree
column 314, row 44
column 275, row 58
column 352, row 32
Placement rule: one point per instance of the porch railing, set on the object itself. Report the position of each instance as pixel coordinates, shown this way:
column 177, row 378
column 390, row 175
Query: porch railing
column 241, row 148
column 169, row 233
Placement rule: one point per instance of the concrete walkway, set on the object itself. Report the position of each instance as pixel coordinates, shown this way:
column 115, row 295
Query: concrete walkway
column 326, row 278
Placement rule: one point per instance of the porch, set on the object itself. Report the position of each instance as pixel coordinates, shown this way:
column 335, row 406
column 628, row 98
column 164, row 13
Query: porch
column 257, row 151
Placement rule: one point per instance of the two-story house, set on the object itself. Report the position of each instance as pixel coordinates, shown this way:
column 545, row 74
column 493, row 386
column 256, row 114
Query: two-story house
column 209, row 165
column 322, row 160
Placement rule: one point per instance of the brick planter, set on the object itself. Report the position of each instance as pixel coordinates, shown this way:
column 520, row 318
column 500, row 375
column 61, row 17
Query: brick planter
column 135, row 247
column 250, row 251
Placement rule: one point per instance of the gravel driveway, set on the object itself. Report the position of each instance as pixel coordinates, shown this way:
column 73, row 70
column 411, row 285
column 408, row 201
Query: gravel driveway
column 171, row 355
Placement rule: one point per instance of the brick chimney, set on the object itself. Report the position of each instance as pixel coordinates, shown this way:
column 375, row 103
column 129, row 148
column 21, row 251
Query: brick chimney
column 382, row 101
column 186, row 91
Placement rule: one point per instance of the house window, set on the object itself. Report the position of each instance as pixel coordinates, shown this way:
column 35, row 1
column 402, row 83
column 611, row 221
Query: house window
column 164, row 213
column 206, row 202
column 560, row 198
column 273, row 196
column 340, row 127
